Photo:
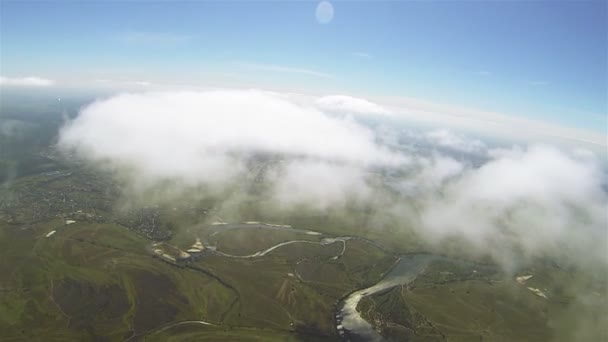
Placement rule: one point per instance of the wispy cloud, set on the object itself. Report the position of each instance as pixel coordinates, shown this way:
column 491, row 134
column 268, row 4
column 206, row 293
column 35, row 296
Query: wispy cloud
column 449, row 139
column 153, row 38
column 349, row 105
column 364, row 55
column 141, row 83
column 30, row 81
column 538, row 83
column 283, row 69
column 482, row 73
column 123, row 83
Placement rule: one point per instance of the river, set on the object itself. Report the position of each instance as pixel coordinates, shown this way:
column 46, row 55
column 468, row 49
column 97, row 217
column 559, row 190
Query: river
column 350, row 324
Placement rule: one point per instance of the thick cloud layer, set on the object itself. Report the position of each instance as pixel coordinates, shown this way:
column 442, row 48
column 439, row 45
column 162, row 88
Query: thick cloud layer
column 520, row 203
column 205, row 137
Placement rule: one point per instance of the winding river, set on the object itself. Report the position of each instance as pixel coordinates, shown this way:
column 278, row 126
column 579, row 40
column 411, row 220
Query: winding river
column 253, row 225
column 350, row 324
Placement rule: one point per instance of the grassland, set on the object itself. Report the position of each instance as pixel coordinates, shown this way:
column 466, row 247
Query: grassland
column 100, row 280
column 459, row 301
column 91, row 280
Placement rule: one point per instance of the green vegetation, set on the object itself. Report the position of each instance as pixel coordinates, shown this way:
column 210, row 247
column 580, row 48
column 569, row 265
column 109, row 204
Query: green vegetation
column 458, row 301
column 96, row 280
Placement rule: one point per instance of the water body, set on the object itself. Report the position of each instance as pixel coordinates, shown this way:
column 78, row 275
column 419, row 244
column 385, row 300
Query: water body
column 323, row 242
column 269, row 226
column 260, row 225
column 349, row 322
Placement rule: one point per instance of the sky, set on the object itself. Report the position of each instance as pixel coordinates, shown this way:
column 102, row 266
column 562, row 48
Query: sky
column 540, row 60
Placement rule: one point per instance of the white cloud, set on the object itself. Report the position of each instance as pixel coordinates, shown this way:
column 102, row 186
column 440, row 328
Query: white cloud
column 153, row 38
column 538, row 83
column 524, row 203
column 319, row 184
column 364, row 55
column 349, row 105
column 440, row 168
column 283, row 69
column 31, row 81
column 199, row 137
column 127, row 84
column 141, row 83
column 449, row 139
column 430, row 174
column 482, row 73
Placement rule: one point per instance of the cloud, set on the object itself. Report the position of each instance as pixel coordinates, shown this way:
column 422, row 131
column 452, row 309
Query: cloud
column 363, row 55
column 482, row 73
column 439, row 169
column 349, row 105
column 153, row 38
column 141, row 83
column 429, row 175
column 31, row 81
column 319, row 185
column 124, row 83
column 523, row 203
column 205, row 137
column 538, row 83
column 451, row 140
column 283, row 69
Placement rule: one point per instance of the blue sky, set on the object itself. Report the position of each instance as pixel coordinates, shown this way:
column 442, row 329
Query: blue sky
column 542, row 60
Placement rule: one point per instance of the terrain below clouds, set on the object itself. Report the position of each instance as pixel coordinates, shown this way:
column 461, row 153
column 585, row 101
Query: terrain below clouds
column 518, row 203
